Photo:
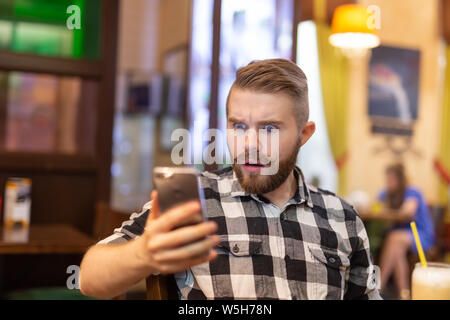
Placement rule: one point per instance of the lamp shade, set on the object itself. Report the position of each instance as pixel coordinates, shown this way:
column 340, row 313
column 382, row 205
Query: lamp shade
column 350, row 28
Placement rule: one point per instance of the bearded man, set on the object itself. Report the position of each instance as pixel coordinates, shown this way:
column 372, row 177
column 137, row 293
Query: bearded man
column 268, row 236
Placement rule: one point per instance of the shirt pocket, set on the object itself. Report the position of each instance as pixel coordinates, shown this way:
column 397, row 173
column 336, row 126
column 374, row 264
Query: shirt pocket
column 330, row 267
column 239, row 246
column 232, row 274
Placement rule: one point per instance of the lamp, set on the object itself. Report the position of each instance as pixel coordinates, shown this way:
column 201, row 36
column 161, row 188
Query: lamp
column 353, row 29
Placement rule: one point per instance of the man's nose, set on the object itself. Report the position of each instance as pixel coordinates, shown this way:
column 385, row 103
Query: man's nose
column 251, row 140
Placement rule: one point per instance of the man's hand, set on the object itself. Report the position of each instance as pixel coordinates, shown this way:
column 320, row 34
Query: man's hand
column 168, row 251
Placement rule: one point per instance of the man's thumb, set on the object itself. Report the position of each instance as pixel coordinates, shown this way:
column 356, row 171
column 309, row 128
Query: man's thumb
column 154, row 210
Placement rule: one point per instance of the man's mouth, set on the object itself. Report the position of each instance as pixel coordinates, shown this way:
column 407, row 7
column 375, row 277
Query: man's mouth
column 256, row 164
column 253, row 167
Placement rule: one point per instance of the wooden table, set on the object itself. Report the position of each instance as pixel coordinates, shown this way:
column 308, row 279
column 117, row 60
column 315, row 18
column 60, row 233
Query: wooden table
column 44, row 239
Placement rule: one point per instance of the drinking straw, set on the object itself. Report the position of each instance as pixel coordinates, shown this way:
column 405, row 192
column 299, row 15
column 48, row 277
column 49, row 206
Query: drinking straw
column 423, row 261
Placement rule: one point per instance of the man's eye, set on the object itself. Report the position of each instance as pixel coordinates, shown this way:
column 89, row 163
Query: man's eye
column 269, row 127
column 240, row 126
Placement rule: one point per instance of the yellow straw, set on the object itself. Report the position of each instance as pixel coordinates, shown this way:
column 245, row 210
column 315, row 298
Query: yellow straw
column 418, row 245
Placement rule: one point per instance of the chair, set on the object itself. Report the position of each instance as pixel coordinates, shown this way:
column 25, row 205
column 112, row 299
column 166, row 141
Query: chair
column 161, row 287
column 438, row 217
column 435, row 253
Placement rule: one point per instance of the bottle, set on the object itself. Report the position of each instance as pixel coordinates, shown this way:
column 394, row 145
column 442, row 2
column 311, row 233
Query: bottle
column 17, row 202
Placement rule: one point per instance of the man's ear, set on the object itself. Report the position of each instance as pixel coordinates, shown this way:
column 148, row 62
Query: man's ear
column 308, row 130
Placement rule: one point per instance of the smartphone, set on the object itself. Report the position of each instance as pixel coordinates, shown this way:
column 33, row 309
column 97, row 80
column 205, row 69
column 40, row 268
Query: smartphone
column 177, row 185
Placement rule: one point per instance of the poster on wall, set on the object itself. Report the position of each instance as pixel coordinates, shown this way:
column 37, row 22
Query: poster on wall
column 393, row 90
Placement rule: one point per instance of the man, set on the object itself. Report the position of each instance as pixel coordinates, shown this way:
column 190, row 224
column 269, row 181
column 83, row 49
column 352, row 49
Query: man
column 277, row 237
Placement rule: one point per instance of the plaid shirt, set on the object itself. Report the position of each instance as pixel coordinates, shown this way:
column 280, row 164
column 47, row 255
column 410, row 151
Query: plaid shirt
column 314, row 247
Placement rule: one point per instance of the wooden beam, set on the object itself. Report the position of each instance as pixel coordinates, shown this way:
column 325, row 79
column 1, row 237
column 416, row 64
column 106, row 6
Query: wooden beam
column 11, row 61
column 188, row 110
column 106, row 98
column 3, row 108
column 296, row 20
column 46, row 162
column 445, row 10
column 306, row 10
column 215, row 72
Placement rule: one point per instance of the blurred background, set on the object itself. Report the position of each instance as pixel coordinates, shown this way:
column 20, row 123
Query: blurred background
column 91, row 91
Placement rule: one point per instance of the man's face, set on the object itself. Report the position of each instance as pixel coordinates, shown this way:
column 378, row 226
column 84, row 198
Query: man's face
column 252, row 111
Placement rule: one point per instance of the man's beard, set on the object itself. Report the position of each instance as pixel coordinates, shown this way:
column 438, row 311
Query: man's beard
column 259, row 184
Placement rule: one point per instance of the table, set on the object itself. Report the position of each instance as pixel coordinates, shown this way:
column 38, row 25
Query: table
column 41, row 239
column 44, row 239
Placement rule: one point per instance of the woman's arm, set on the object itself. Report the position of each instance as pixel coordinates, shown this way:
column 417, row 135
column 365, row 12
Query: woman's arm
column 406, row 212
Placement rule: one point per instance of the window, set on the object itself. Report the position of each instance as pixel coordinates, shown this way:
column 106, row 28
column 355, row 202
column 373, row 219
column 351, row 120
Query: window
column 315, row 158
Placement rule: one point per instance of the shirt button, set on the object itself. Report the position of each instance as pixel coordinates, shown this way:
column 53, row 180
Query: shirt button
column 235, row 248
column 332, row 260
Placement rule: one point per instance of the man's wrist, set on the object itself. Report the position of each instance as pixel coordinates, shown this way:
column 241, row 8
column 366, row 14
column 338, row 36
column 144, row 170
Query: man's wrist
column 140, row 255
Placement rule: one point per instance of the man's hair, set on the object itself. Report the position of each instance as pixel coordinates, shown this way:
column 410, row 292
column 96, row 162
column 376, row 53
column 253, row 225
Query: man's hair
column 276, row 76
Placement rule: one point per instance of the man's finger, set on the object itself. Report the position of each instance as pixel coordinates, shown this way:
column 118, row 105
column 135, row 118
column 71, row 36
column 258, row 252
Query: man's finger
column 155, row 205
column 182, row 236
column 176, row 216
column 189, row 251
column 173, row 268
column 154, row 210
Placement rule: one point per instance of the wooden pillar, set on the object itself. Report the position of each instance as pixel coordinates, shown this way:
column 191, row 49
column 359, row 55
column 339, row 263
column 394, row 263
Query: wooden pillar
column 445, row 10
column 215, row 73
column 3, row 108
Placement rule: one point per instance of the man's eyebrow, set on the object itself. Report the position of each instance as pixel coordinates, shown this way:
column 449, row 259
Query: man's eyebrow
column 276, row 122
column 268, row 121
column 235, row 120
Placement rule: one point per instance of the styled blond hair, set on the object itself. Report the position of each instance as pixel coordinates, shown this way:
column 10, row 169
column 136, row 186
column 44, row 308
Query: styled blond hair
column 279, row 76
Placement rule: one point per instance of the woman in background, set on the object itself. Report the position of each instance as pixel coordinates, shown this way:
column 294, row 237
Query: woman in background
column 402, row 204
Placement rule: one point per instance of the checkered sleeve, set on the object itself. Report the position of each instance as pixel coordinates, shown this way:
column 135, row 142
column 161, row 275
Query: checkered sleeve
column 363, row 276
column 131, row 228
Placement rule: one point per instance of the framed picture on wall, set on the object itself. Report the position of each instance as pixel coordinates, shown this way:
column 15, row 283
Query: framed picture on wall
column 393, row 90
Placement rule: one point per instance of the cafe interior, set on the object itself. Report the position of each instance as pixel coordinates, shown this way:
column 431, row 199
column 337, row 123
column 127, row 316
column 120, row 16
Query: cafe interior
column 91, row 91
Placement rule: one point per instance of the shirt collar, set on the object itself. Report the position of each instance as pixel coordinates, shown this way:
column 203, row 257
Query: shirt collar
column 302, row 194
